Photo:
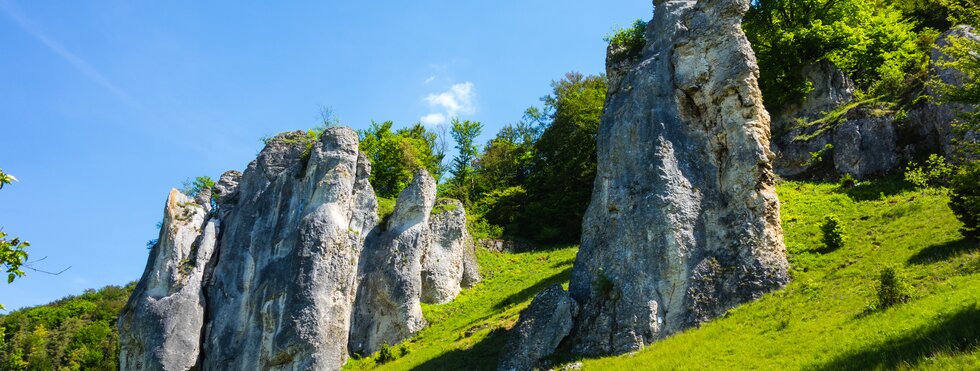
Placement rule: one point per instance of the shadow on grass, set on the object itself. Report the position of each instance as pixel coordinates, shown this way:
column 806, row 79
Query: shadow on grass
column 874, row 190
column 483, row 355
column 945, row 250
column 530, row 292
column 955, row 333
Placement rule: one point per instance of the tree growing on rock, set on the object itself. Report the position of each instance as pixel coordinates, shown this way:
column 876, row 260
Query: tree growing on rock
column 396, row 154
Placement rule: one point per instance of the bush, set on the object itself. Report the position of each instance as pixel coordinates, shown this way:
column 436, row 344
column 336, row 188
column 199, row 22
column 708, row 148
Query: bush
column 893, row 288
column 834, row 235
column 631, row 39
column 385, row 355
column 934, row 173
column 964, row 198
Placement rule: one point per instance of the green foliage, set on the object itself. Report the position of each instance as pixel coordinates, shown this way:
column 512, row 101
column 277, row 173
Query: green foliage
column 6, row 179
column 871, row 41
column 504, row 208
column 893, row 287
column 385, row 355
column 564, row 166
column 834, row 235
column 964, row 56
column 12, row 256
column 192, row 188
column 395, row 155
column 74, row 333
column 629, row 40
column 934, row 173
column 964, row 198
column 463, row 183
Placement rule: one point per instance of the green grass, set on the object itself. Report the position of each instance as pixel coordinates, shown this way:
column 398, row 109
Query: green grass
column 821, row 320
column 468, row 332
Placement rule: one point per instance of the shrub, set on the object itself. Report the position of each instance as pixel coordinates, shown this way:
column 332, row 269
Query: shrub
column 834, row 235
column 847, row 181
column 385, row 355
column 934, row 173
column 964, row 198
column 630, row 39
column 893, row 288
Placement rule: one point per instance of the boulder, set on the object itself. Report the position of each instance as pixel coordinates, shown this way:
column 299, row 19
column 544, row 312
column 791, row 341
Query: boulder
column 684, row 219
column 161, row 325
column 542, row 327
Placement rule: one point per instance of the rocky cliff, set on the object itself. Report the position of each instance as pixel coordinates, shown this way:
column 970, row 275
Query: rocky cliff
column 684, row 219
column 864, row 138
column 273, row 277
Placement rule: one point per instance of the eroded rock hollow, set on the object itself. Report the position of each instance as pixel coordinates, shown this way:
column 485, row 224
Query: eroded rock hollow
column 293, row 253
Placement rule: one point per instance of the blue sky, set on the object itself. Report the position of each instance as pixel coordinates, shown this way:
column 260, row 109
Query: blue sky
column 106, row 105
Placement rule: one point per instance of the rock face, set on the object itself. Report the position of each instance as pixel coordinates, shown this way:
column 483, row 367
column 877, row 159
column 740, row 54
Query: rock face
column 278, row 288
column 424, row 254
column 684, row 219
column 161, row 325
column 865, row 143
column 449, row 262
column 542, row 327
column 935, row 120
column 283, row 287
column 862, row 144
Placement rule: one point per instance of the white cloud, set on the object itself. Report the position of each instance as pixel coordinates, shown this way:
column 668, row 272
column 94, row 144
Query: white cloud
column 433, row 119
column 428, row 80
column 459, row 99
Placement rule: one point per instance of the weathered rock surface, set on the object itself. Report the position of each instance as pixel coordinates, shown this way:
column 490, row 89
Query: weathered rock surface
column 277, row 289
column 161, row 325
column 424, row 254
column 863, row 144
column 283, row 286
column 389, row 298
column 684, row 218
column 934, row 120
column 449, row 261
column 542, row 327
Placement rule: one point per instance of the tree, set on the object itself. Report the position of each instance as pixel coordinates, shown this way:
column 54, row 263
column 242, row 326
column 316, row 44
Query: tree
column 201, row 183
column 395, row 155
column 871, row 41
column 12, row 254
column 465, row 134
column 564, row 163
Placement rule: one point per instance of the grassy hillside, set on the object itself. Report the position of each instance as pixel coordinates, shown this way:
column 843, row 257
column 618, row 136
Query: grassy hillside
column 824, row 319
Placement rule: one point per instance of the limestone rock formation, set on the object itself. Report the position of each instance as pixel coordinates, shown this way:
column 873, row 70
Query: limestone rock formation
column 684, row 219
column 862, row 143
column 389, row 297
column 449, row 261
column 277, row 288
column 283, row 286
column 935, row 120
column 542, row 327
column 161, row 325
column 424, row 254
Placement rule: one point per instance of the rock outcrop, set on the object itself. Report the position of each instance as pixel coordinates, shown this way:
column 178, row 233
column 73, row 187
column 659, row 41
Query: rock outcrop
column 684, row 219
column 424, row 254
column 161, row 327
column 542, row 327
column 865, row 140
column 299, row 240
column 861, row 142
column 934, row 120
